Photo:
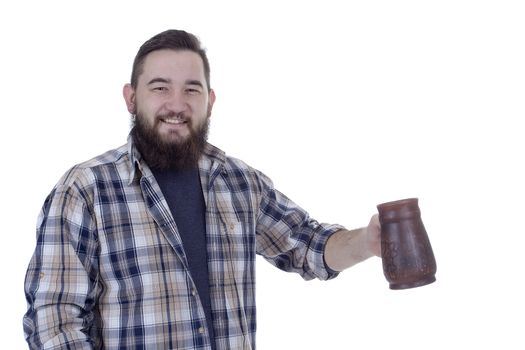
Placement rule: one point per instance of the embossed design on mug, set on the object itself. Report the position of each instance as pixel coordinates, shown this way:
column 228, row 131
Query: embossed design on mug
column 389, row 253
column 408, row 259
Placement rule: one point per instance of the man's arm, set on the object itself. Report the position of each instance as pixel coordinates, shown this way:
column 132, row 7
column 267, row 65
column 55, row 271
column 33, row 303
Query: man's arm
column 347, row 248
column 60, row 283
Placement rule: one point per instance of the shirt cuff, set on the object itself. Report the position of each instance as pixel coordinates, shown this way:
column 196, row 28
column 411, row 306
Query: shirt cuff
column 329, row 230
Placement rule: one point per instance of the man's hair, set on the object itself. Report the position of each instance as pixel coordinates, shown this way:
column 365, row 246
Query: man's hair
column 171, row 39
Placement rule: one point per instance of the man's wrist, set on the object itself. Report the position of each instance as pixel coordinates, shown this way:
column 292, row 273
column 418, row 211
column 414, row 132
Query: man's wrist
column 346, row 248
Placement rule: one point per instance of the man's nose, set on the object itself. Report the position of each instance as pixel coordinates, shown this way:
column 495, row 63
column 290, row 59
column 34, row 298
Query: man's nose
column 176, row 102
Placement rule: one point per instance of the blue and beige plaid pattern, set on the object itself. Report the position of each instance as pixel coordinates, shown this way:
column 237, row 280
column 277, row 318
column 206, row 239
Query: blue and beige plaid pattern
column 109, row 270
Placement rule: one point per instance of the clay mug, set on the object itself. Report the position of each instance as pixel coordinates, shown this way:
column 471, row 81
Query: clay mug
column 408, row 259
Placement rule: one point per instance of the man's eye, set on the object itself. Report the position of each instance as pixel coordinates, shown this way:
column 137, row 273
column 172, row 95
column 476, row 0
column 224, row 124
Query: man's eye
column 160, row 88
column 192, row 91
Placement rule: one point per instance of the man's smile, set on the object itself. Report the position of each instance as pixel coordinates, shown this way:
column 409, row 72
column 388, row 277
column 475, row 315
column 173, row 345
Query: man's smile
column 173, row 120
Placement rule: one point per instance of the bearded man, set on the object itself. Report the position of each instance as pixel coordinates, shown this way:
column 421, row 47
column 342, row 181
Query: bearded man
column 152, row 245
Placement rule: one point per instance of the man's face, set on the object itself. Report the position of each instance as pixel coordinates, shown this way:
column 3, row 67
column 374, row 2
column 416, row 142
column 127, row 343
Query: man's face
column 171, row 96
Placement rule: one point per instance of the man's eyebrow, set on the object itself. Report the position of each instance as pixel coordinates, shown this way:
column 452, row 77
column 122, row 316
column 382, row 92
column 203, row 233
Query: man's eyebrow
column 194, row 82
column 168, row 81
column 159, row 80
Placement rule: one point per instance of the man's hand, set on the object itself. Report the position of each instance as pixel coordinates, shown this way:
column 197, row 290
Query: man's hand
column 373, row 236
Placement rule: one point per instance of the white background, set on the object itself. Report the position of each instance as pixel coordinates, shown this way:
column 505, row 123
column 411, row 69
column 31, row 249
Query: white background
column 344, row 105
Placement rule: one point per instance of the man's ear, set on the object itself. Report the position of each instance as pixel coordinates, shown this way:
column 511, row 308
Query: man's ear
column 129, row 97
column 211, row 101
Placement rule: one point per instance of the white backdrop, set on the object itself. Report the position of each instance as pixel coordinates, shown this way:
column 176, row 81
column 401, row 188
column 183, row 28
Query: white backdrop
column 344, row 105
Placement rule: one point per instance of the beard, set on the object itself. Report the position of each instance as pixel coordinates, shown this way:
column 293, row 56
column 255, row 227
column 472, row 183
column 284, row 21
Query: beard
column 163, row 155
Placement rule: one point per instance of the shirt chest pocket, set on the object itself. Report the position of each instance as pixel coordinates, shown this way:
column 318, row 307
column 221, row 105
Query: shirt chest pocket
column 235, row 226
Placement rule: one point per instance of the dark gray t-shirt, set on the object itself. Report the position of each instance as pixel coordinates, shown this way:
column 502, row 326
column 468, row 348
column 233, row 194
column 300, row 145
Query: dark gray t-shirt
column 183, row 192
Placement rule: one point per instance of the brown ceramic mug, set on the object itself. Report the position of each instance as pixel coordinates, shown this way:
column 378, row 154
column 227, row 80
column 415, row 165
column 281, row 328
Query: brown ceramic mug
column 408, row 259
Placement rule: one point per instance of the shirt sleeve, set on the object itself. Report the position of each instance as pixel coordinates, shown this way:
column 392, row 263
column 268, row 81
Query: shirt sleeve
column 61, row 279
column 289, row 238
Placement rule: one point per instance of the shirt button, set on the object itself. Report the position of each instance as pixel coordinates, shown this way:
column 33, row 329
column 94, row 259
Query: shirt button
column 194, row 292
column 201, row 330
column 232, row 226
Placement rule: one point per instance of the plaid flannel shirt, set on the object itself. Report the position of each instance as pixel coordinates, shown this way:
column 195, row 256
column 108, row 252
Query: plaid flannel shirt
column 109, row 270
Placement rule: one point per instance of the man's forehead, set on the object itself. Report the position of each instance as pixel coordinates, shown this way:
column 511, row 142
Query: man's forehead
column 173, row 58
column 170, row 64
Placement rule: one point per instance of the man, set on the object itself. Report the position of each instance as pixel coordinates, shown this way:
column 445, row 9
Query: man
column 152, row 245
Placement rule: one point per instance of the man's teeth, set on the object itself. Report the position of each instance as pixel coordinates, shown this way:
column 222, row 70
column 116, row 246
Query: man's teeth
column 174, row 121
